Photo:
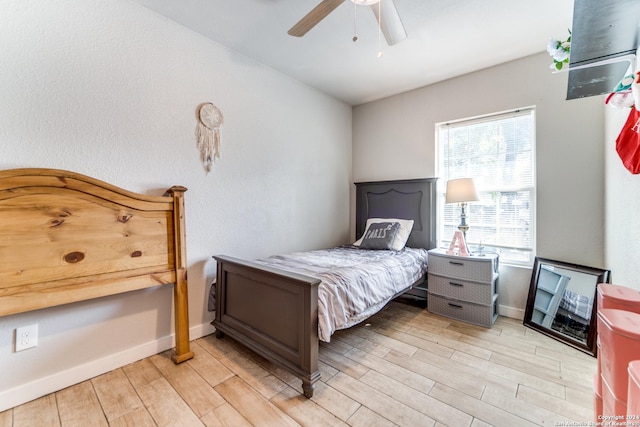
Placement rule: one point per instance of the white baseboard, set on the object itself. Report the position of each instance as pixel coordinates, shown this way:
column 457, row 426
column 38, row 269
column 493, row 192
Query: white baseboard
column 512, row 312
column 52, row 383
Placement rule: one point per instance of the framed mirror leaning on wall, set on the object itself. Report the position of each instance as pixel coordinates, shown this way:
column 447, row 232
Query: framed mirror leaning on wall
column 562, row 302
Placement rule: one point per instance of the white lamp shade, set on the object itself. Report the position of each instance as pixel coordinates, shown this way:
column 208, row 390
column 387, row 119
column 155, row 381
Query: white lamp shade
column 461, row 190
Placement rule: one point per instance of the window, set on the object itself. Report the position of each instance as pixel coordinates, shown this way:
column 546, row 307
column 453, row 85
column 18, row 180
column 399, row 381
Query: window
column 497, row 151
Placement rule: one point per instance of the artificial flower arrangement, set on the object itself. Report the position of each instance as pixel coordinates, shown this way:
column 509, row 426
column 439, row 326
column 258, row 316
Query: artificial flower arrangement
column 559, row 51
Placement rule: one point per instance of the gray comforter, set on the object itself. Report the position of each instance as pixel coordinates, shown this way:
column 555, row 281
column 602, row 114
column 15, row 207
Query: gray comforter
column 355, row 283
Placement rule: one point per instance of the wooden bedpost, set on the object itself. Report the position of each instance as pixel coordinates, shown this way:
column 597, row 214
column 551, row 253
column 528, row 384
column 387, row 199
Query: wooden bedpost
column 180, row 294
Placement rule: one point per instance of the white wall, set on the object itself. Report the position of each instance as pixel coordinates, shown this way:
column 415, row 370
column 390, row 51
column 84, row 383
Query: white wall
column 109, row 89
column 622, row 206
column 395, row 138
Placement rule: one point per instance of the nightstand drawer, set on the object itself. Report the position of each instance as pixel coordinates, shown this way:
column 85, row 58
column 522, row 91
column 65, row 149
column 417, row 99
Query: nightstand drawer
column 483, row 315
column 477, row 269
column 480, row 293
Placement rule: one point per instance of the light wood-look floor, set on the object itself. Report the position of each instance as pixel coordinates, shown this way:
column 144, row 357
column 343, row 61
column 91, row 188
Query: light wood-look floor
column 404, row 366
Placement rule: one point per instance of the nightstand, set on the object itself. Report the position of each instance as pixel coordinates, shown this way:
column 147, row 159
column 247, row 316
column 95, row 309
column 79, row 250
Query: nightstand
column 463, row 287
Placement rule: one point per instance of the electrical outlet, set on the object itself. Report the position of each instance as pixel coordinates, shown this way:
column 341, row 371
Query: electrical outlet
column 26, row 337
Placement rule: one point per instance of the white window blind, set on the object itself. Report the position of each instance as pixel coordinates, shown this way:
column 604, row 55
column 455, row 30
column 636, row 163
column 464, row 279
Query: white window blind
column 498, row 152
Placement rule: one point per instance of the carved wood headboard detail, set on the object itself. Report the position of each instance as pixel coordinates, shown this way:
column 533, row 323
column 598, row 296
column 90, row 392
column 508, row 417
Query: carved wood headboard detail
column 66, row 237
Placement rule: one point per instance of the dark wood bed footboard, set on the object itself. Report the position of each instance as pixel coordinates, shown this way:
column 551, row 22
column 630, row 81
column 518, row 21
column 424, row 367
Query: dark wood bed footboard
column 272, row 312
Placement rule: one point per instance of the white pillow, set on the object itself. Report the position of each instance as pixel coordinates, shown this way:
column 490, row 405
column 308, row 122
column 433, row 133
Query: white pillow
column 401, row 238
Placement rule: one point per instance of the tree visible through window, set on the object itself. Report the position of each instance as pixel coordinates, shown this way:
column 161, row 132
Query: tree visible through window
column 497, row 151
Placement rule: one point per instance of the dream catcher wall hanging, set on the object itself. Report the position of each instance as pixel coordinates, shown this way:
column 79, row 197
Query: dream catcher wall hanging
column 208, row 133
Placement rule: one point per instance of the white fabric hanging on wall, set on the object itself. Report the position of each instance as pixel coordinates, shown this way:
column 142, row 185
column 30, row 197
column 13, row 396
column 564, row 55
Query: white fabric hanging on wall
column 208, row 133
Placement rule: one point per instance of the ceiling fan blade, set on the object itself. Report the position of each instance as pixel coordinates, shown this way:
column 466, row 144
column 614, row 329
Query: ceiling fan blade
column 391, row 24
column 316, row 15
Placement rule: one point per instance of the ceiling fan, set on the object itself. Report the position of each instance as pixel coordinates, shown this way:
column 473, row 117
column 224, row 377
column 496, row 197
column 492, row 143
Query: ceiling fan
column 384, row 10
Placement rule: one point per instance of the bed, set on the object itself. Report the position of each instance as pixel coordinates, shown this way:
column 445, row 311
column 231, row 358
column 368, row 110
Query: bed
column 271, row 306
column 66, row 237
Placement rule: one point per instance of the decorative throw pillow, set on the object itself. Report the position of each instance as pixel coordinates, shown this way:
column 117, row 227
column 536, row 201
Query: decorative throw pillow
column 406, row 225
column 380, row 235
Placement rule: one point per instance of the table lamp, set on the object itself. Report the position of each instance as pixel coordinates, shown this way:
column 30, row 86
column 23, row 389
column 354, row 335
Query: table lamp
column 461, row 190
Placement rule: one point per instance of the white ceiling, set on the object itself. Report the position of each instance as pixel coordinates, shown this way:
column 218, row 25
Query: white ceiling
column 446, row 38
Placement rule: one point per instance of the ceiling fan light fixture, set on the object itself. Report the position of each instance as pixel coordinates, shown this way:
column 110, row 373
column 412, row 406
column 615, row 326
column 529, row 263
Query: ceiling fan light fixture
column 389, row 22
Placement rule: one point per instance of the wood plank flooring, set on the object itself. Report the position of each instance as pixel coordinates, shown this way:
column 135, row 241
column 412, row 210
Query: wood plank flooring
column 402, row 367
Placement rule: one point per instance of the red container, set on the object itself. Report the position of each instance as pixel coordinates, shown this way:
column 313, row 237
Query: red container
column 619, row 333
column 612, row 406
column 598, row 361
column 633, row 393
column 597, row 398
column 618, row 297
column 614, row 297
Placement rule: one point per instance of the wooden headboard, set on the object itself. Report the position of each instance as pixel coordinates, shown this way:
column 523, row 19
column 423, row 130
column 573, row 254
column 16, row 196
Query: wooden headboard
column 66, row 237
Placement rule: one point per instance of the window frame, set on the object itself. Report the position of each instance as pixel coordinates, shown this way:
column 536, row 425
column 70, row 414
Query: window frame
column 443, row 241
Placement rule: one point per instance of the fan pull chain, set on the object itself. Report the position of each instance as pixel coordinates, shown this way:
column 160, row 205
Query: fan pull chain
column 379, row 30
column 355, row 26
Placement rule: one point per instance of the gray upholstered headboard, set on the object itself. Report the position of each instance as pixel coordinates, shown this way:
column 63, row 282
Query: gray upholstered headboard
column 405, row 199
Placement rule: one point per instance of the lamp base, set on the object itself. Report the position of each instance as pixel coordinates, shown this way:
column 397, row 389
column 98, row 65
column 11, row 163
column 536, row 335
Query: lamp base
column 464, row 227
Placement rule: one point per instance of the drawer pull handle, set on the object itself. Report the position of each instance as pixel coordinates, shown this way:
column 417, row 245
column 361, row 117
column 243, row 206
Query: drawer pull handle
column 456, row 284
column 456, row 263
column 455, row 305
